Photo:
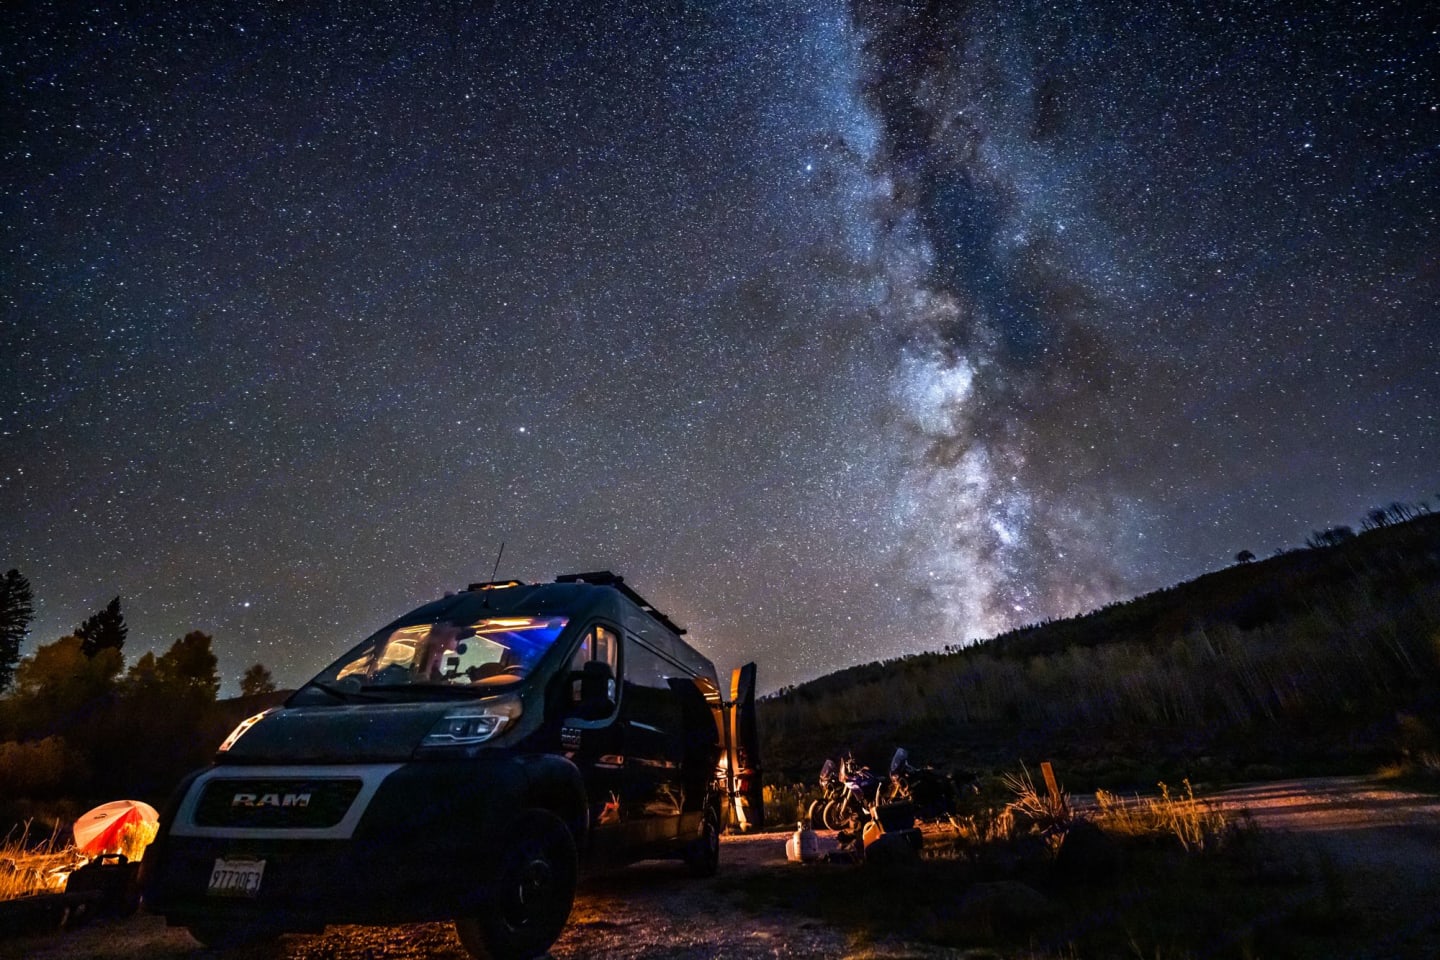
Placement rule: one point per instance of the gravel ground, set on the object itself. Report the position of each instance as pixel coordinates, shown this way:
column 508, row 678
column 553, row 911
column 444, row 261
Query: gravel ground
column 1385, row 842
column 645, row 912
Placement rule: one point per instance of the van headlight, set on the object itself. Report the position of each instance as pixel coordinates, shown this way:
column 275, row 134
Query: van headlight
column 474, row 723
column 242, row 727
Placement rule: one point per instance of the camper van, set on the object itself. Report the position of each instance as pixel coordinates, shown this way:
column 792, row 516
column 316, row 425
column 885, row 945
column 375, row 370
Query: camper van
column 464, row 762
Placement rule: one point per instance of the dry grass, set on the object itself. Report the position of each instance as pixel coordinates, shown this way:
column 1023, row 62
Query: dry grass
column 29, row 866
column 1029, row 811
column 789, row 804
column 992, row 826
column 1193, row 822
column 1046, row 810
column 135, row 837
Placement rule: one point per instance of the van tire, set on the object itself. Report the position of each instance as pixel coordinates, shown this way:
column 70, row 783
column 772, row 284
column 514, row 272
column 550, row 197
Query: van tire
column 538, row 872
column 702, row 855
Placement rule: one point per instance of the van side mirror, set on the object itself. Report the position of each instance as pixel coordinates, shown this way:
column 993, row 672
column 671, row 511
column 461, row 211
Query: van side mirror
column 597, row 690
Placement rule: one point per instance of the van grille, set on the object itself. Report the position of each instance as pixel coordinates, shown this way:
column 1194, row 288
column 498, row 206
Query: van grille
column 271, row 803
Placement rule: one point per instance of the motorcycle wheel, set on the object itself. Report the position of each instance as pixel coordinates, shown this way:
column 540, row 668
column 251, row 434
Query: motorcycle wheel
column 830, row 816
column 815, row 815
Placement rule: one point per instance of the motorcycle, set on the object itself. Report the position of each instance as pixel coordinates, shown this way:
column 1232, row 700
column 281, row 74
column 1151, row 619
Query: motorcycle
column 830, row 791
column 935, row 795
column 858, row 794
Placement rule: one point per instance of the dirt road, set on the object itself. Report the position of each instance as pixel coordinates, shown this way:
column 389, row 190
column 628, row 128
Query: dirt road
column 1384, row 842
column 1381, row 846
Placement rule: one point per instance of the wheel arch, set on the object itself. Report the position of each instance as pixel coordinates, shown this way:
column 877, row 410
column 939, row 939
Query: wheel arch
column 555, row 784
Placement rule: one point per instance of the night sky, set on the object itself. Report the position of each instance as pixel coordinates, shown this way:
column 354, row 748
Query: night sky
column 843, row 331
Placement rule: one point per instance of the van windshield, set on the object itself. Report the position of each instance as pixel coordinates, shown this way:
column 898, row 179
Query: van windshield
column 488, row 652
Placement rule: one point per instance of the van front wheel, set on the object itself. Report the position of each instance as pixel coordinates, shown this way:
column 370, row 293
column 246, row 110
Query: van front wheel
column 535, row 891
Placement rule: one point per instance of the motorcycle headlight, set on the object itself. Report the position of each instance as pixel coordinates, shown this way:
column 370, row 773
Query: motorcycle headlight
column 473, row 723
column 243, row 726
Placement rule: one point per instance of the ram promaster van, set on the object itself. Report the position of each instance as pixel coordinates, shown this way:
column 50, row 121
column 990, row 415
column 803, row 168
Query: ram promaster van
column 462, row 763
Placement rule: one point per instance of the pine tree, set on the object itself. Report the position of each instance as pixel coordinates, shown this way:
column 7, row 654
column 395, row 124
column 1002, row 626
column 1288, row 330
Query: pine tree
column 103, row 630
column 257, row 679
column 16, row 611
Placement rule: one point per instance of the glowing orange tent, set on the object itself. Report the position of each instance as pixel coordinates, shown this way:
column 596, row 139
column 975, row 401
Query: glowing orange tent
column 99, row 830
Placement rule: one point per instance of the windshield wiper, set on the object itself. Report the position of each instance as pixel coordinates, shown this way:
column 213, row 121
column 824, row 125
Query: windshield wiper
column 444, row 691
column 344, row 693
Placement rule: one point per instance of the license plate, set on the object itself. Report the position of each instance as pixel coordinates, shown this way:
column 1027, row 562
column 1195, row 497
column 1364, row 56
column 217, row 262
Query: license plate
column 236, row 878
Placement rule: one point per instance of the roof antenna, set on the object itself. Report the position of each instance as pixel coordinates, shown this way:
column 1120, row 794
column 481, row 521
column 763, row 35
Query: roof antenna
column 494, row 571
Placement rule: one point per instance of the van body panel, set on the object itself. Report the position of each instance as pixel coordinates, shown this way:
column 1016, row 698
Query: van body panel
column 344, row 733
column 361, row 815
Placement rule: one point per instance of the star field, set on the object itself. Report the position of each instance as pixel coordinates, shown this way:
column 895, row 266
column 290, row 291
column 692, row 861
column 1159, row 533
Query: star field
column 843, row 331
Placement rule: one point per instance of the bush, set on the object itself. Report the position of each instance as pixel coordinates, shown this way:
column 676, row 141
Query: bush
column 40, row 768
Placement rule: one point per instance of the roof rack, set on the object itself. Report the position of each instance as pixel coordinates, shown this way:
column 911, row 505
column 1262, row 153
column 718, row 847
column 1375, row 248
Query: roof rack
column 496, row 585
column 604, row 578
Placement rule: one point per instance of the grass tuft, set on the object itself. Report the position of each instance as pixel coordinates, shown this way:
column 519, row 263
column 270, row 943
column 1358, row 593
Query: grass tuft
column 1049, row 812
column 1193, row 822
column 135, row 837
column 29, row 865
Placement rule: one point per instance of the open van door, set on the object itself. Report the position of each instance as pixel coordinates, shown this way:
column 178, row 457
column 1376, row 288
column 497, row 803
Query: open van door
column 742, row 751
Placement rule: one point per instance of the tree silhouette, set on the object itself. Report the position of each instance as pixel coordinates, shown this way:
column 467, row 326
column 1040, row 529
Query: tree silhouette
column 256, row 680
column 1375, row 519
column 1330, row 538
column 190, row 665
column 103, row 630
column 1400, row 512
column 58, row 685
column 16, row 611
column 1244, row 556
column 143, row 679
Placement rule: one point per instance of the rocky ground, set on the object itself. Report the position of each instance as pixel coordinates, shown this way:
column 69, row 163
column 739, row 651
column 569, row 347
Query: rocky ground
column 1385, row 842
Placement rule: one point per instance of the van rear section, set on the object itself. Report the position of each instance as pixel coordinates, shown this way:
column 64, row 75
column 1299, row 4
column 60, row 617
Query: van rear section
column 462, row 763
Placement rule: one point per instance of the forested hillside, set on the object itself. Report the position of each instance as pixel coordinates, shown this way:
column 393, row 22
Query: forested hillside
column 1319, row 659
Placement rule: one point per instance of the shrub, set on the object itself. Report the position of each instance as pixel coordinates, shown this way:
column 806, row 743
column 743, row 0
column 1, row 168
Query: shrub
column 40, row 768
column 1194, row 823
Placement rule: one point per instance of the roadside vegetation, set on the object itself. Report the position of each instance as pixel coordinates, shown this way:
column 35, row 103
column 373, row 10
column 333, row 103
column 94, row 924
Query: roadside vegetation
column 31, row 864
column 1026, row 873
column 79, row 726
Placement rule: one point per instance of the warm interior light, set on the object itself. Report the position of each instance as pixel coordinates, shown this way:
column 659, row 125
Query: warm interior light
column 505, row 623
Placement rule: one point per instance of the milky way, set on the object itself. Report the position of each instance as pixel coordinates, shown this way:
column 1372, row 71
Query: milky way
column 843, row 331
column 1054, row 389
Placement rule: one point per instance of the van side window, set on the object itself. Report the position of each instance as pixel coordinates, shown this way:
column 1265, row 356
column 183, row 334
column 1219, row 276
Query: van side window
column 601, row 644
column 645, row 669
column 607, row 648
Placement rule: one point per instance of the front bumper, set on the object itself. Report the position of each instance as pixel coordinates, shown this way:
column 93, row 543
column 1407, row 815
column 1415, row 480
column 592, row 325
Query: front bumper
column 417, row 847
